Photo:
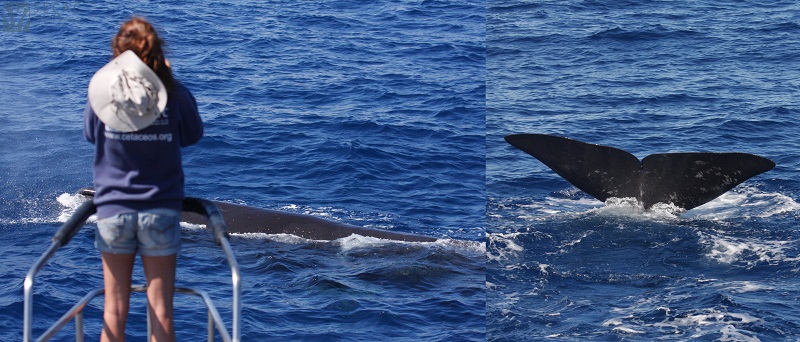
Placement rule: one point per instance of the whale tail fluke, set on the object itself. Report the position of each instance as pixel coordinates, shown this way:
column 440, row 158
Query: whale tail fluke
column 686, row 180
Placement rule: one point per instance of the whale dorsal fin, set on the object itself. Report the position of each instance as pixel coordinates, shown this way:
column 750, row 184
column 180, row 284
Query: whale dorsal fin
column 686, row 180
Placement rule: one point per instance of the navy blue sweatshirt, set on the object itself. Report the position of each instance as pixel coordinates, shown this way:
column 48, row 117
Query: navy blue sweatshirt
column 142, row 170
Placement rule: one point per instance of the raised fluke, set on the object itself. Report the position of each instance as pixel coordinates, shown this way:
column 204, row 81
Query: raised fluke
column 686, row 180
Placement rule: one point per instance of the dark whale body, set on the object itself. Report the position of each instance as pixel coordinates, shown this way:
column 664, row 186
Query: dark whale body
column 686, row 180
column 244, row 219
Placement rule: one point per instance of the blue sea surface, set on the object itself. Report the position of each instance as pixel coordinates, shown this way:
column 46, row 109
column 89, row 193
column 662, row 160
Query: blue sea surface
column 365, row 112
column 391, row 115
column 647, row 77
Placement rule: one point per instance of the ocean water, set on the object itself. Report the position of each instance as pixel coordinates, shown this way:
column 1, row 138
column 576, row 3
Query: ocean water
column 647, row 77
column 390, row 115
column 366, row 112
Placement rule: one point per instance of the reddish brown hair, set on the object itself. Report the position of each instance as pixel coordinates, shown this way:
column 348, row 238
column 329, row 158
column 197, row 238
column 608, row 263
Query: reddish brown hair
column 139, row 36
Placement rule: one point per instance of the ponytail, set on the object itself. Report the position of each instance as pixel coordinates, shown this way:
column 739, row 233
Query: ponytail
column 139, row 36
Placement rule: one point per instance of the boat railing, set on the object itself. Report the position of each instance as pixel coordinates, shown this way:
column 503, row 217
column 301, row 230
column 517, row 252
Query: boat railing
column 74, row 224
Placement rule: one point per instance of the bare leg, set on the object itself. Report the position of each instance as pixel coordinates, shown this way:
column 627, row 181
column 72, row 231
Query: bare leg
column 117, row 270
column 160, row 274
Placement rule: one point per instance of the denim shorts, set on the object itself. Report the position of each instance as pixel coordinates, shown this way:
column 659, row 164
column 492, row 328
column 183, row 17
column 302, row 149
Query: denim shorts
column 154, row 232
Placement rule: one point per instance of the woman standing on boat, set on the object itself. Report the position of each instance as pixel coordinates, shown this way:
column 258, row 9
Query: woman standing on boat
column 139, row 117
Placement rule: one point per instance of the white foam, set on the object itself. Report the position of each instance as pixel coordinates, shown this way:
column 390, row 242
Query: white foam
column 502, row 246
column 694, row 322
column 355, row 241
column 193, row 226
column 745, row 201
column 529, row 209
column 731, row 334
column 627, row 330
column 556, row 205
column 297, row 240
column 708, row 317
column 70, row 202
column 26, row 220
column 291, row 207
column 563, row 247
column 614, row 207
column 543, row 269
column 477, row 247
column 612, row 322
column 746, row 286
column 728, row 249
column 619, row 326
column 633, row 209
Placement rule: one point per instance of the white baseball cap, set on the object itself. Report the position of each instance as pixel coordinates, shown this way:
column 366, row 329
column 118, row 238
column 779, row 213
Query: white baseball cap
column 126, row 94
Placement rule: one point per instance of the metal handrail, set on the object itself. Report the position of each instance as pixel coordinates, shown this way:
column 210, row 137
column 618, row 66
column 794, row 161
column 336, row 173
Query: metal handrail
column 77, row 220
